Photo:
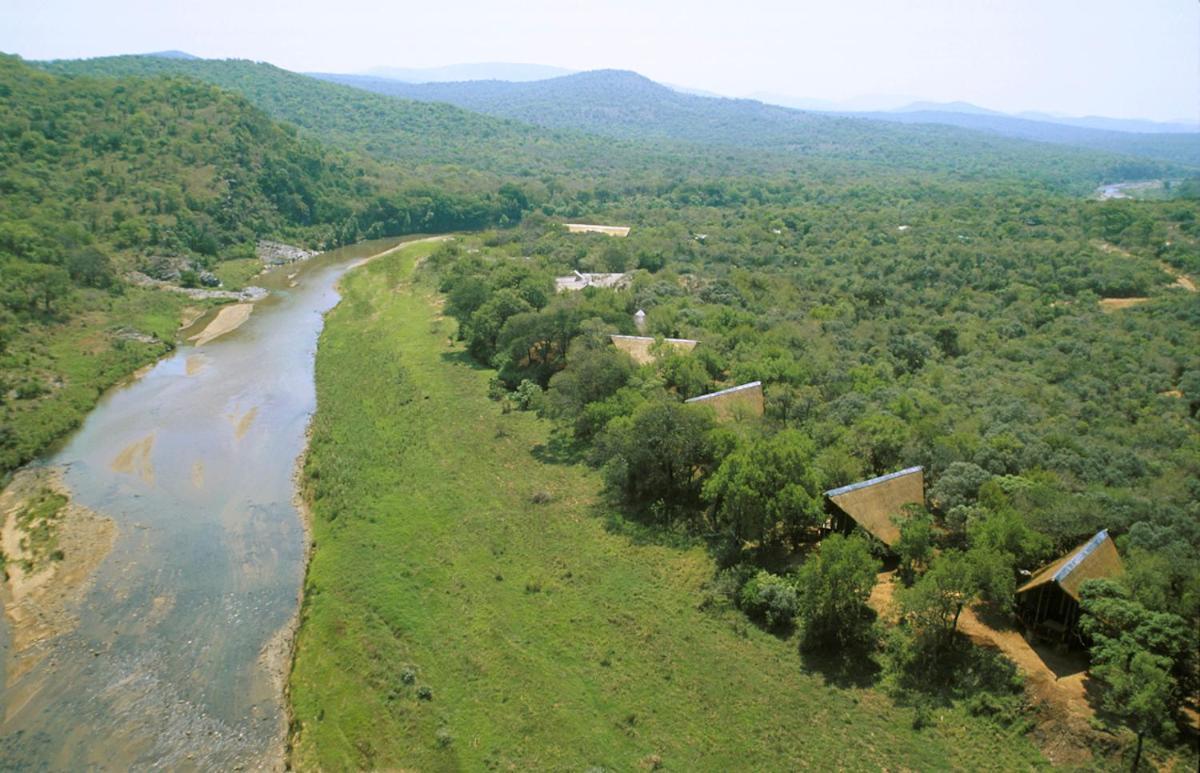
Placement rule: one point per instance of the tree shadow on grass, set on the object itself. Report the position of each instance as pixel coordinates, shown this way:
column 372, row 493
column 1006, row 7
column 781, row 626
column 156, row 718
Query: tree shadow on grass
column 855, row 665
column 957, row 670
column 462, row 357
column 640, row 531
column 561, row 448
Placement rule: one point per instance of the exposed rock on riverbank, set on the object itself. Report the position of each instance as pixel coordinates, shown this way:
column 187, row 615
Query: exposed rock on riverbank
column 277, row 253
column 249, row 294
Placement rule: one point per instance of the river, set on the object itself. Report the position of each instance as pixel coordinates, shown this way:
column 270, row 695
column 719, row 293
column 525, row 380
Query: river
column 194, row 462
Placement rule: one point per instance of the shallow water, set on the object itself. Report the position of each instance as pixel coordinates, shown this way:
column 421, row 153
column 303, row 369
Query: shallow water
column 194, row 463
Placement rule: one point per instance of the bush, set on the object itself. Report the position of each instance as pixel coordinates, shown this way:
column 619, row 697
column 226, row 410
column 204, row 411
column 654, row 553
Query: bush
column 528, row 396
column 770, row 599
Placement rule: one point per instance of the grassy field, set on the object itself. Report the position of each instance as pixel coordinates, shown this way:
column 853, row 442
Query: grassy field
column 449, row 623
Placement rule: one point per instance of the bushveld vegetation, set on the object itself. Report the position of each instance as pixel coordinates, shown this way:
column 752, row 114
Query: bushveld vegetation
column 970, row 342
column 581, row 580
column 471, row 603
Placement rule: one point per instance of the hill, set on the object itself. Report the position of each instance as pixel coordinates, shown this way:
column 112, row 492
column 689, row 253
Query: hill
column 482, row 71
column 1171, row 146
column 629, row 106
column 427, row 138
column 98, row 177
column 615, row 130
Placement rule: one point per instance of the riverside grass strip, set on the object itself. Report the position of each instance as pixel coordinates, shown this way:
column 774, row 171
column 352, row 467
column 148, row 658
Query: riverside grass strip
column 450, row 623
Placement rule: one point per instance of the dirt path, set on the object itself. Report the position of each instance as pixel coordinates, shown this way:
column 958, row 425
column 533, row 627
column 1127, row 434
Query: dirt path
column 1110, row 304
column 1056, row 682
column 1181, row 279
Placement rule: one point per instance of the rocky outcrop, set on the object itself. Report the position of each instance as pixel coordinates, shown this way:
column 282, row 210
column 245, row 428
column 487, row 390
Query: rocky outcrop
column 277, row 253
column 248, row 294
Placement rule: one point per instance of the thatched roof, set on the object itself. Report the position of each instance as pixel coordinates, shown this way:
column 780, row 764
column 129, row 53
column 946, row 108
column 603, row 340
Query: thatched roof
column 611, row 230
column 874, row 503
column 638, row 347
column 1095, row 559
column 735, row 402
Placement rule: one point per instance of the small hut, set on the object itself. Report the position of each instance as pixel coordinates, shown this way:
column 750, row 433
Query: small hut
column 1049, row 601
column 874, row 505
column 639, row 321
column 735, row 402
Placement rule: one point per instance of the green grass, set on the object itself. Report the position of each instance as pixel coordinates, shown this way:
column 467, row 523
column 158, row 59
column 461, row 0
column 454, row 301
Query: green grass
column 38, row 520
column 236, row 274
column 546, row 641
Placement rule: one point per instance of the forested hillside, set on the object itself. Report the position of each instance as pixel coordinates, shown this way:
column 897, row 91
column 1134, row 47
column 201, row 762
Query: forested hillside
column 654, row 134
column 101, row 176
column 627, row 105
column 1174, row 147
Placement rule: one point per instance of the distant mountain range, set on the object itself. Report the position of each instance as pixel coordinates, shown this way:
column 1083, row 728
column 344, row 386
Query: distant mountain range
column 482, row 71
column 1088, row 122
column 173, row 55
column 624, row 104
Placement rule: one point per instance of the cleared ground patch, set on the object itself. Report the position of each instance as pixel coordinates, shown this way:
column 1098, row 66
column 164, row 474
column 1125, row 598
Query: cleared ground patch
column 451, row 623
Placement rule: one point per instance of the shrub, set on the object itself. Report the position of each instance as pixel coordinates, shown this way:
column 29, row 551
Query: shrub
column 771, row 599
column 528, row 396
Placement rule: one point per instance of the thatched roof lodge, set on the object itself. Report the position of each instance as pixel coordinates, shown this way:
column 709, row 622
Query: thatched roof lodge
column 875, row 504
column 638, row 347
column 578, row 280
column 586, row 228
column 1049, row 601
column 735, row 402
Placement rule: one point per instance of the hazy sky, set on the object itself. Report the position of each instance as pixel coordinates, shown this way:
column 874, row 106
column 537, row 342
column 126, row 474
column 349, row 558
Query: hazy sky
column 1124, row 58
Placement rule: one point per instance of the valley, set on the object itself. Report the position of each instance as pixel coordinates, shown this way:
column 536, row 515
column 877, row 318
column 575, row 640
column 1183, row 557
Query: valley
column 292, row 484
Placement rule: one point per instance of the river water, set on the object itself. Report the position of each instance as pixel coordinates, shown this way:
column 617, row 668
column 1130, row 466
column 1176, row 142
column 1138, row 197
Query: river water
column 194, row 462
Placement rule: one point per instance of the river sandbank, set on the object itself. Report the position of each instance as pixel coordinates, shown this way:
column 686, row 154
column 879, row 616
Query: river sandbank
column 228, row 319
column 40, row 592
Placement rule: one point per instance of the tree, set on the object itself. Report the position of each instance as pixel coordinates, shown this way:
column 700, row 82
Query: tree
column 8, row 329
column 39, row 282
column 535, row 343
column 833, row 587
column 683, row 373
column 915, row 546
column 958, row 485
column 485, row 324
column 592, row 374
column 768, row 489
column 770, row 598
column 1135, row 653
column 934, row 603
column 90, row 267
column 658, row 455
